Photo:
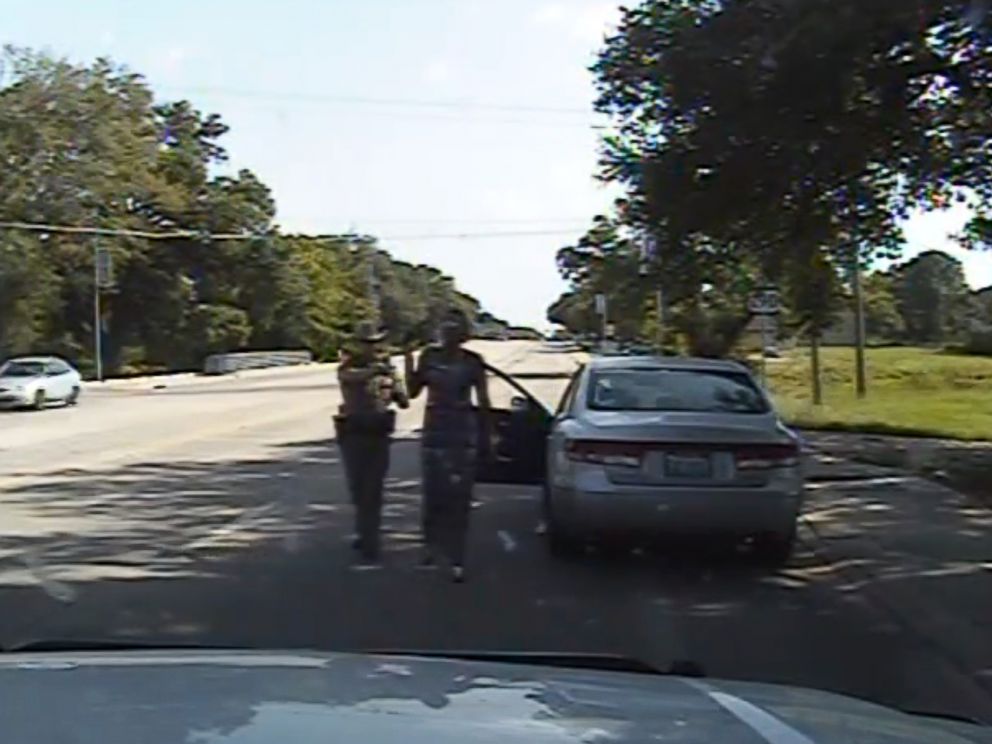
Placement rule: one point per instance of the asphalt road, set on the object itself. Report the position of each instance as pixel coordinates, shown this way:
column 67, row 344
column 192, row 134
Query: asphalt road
column 214, row 512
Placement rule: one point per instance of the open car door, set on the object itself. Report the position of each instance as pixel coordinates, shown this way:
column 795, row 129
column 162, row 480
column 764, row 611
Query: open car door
column 521, row 425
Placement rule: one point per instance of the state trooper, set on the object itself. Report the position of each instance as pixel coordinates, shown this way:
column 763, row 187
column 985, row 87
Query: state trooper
column 364, row 425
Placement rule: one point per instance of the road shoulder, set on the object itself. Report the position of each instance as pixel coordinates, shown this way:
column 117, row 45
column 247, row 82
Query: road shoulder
column 918, row 551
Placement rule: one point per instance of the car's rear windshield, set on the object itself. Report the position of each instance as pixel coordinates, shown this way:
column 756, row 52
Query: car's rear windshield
column 666, row 389
column 22, row 369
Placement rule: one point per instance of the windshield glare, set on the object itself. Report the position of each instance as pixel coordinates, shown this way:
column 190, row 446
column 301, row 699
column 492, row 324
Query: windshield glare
column 674, row 390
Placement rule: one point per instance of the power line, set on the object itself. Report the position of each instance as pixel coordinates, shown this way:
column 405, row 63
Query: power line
column 542, row 221
column 193, row 234
column 426, row 103
column 120, row 232
column 451, row 118
column 479, row 235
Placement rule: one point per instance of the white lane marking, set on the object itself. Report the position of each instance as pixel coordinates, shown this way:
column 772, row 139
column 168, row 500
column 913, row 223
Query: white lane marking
column 773, row 730
column 509, row 544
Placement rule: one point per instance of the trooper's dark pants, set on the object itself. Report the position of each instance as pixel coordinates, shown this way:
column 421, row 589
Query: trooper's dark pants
column 366, row 462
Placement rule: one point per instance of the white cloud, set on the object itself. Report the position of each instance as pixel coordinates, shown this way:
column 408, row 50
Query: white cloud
column 927, row 231
column 548, row 14
column 437, row 71
column 594, row 21
column 586, row 22
column 174, row 58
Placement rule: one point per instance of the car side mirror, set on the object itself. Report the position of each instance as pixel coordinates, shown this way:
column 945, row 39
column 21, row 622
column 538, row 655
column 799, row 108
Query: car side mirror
column 519, row 403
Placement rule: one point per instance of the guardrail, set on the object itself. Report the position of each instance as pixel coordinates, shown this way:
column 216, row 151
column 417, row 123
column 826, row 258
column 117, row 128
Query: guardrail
column 223, row 364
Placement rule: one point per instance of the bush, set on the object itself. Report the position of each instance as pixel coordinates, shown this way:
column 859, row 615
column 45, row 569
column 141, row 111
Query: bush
column 979, row 342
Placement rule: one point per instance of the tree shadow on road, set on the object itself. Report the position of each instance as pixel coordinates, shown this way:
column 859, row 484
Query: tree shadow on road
column 173, row 534
column 254, row 553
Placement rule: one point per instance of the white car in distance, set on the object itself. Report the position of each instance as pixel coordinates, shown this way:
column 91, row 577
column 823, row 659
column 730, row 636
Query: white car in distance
column 35, row 382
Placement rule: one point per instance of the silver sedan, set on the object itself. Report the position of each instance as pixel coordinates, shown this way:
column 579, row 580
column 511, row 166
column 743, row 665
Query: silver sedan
column 34, row 382
column 646, row 445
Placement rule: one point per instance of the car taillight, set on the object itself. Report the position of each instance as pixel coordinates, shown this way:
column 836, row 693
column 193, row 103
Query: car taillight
column 766, row 456
column 622, row 454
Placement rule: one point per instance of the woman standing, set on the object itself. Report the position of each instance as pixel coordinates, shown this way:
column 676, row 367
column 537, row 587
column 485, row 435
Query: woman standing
column 451, row 438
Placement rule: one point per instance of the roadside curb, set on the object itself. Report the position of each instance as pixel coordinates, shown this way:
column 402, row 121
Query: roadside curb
column 182, row 379
column 958, row 465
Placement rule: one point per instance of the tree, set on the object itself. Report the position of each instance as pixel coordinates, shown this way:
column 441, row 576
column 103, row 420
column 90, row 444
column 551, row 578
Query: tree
column 981, row 301
column 883, row 321
column 933, row 297
column 814, row 297
column 575, row 310
column 88, row 145
column 750, row 133
column 706, row 287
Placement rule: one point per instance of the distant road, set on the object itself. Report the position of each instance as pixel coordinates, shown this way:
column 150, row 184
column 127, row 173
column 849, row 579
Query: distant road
column 173, row 418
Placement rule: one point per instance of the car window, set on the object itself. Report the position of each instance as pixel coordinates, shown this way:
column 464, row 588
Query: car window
column 661, row 389
column 56, row 368
column 22, row 369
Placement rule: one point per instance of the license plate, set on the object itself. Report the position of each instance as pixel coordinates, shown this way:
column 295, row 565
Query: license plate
column 687, row 467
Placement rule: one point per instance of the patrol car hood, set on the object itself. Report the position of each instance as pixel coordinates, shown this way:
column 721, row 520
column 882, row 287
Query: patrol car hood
column 233, row 697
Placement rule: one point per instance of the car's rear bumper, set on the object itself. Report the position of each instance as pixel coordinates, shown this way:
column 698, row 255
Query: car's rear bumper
column 594, row 508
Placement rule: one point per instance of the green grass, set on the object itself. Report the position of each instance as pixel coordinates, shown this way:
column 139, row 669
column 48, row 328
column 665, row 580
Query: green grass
column 914, row 392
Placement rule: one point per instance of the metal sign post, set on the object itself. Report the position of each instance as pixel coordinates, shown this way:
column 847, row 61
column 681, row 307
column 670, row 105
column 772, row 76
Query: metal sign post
column 765, row 304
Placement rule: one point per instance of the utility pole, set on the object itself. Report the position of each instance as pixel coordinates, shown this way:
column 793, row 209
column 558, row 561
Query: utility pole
column 660, row 306
column 373, row 280
column 366, row 255
column 814, row 356
column 97, row 324
column 860, row 376
column 102, row 277
column 602, row 309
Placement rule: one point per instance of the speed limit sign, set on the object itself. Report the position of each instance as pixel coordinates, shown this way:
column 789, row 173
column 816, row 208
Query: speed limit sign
column 765, row 302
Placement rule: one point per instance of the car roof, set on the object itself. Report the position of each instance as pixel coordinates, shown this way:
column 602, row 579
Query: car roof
column 38, row 359
column 655, row 362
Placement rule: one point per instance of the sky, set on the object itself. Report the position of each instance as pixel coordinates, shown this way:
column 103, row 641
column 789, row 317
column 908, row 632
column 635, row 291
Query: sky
column 460, row 132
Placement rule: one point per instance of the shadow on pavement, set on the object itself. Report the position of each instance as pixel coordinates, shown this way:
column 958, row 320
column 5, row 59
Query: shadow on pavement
column 254, row 553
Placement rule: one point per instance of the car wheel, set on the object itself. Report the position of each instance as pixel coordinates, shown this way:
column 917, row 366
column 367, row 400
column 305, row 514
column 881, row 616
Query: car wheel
column 39, row 400
column 775, row 549
column 73, row 398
